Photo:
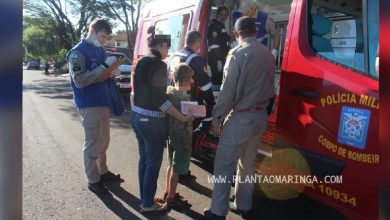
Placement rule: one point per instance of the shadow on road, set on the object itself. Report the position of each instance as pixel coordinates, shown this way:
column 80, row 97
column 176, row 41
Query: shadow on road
column 50, row 88
column 298, row 208
column 134, row 202
column 116, row 207
column 191, row 184
column 60, row 88
column 186, row 210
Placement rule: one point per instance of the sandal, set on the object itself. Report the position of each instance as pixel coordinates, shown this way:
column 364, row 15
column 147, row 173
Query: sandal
column 159, row 199
column 156, row 200
column 180, row 198
column 156, row 207
column 171, row 202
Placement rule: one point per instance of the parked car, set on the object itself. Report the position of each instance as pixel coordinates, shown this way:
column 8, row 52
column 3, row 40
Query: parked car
column 123, row 80
column 33, row 65
column 61, row 67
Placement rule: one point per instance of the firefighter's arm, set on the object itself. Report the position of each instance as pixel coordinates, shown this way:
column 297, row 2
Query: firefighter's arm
column 204, row 84
column 203, row 80
column 227, row 94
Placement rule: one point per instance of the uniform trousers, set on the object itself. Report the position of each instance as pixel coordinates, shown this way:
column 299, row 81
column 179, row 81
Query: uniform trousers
column 237, row 149
column 96, row 123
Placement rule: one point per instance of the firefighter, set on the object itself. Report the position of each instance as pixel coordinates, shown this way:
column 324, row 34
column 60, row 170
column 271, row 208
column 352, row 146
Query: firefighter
column 245, row 94
column 218, row 42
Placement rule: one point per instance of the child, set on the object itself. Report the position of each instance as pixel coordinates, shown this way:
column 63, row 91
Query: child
column 180, row 133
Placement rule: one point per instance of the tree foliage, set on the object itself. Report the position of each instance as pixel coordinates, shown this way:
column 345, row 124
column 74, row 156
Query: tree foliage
column 127, row 12
column 67, row 21
column 38, row 43
column 64, row 22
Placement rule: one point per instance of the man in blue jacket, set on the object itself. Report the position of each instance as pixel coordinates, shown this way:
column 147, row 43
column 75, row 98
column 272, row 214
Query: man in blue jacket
column 90, row 70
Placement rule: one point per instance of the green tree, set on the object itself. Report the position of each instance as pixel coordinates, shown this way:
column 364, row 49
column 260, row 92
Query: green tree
column 39, row 43
column 66, row 19
column 69, row 19
column 127, row 12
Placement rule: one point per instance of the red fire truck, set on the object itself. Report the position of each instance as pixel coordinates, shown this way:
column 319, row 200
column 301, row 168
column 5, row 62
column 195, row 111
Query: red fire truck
column 324, row 125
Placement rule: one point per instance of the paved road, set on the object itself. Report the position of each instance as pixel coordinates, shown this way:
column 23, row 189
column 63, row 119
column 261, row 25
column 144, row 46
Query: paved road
column 54, row 184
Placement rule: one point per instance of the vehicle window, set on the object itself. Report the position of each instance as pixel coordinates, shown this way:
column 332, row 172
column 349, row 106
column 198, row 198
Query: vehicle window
column 118, row 55
column 177, row 28
column 143, row 46
column 346, row 33
column 127, row 62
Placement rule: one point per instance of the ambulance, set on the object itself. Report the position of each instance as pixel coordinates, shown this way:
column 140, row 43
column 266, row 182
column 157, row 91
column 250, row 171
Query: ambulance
column 322, row 138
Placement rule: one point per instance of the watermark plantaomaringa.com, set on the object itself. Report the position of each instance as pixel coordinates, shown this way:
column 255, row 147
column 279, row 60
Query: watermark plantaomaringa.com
column 282, row 179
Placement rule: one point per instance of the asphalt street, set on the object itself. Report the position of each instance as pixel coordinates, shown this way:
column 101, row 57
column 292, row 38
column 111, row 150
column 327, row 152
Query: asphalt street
column 54, row 183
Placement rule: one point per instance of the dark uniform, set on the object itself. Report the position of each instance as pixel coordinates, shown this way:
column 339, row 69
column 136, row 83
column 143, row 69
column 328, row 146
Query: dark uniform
column 218, row 42
column 201, row 90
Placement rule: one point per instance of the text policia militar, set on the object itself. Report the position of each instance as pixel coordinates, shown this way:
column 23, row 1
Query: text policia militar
column 282, row 179
column 350, row 98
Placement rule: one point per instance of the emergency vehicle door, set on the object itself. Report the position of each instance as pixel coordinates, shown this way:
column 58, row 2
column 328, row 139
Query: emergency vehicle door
column 329, row 102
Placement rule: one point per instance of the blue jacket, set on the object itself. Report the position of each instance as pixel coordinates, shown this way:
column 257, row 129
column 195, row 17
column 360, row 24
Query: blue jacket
column 96, row 94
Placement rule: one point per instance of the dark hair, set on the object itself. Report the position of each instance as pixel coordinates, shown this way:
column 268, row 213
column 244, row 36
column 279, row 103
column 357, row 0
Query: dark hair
column 222, row 8
column 245, row 26
column 183, row 73
column 101, row 25
column 192, row 37
column 159, row 39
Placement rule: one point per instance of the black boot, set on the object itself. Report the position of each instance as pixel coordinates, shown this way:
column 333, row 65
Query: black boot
column 211, row 216
column 98, row 188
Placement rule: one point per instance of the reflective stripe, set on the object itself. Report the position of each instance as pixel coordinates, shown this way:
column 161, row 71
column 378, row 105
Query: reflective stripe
column 208, row 119
column 165, row 106
column 182, row 55
column 213, row 46
column 265, row 153
column 147, row 112
column 178, row 53
column 206, row 87
column 189, row 58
